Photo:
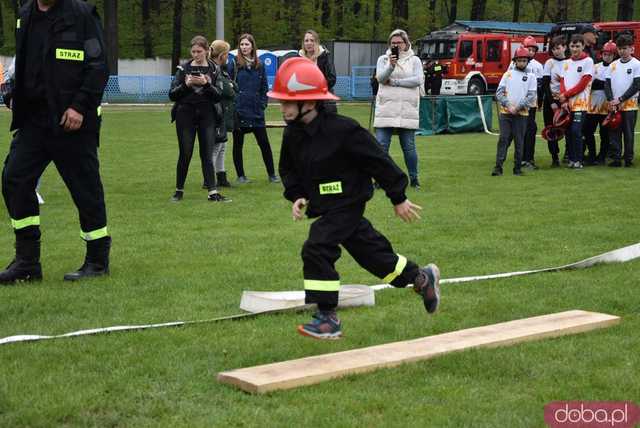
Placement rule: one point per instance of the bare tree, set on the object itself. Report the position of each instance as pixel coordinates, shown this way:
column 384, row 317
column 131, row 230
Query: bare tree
column 111, row 34
column 625, row 10
column 596, row 11
column 544, row 11
column 477, row 10
column 177, row 34
column 516, row 11
column 562, row 11
column 399, row 13
column 325, row 18
column 339, row 8
column 432, row 14
column 452, row 11
column 376, row 18
column 146, row 29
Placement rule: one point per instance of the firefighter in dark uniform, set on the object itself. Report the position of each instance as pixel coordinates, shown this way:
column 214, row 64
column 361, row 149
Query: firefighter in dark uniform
column 327, row 162
column 432, row 77
column 60, row 77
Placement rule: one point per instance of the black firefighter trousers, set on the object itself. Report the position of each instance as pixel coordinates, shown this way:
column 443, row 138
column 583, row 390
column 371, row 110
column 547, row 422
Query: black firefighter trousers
column 372, row 251
column 75, row 156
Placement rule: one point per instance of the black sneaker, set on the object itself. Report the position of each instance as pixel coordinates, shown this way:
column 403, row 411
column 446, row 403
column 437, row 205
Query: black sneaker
column 517, row 171
column 555, row 163
column 427, row 284
column 497, row 171
column 177, row 197
column 615, row 164
column 628, row 164
column 218, row 197
column 415, row 183
column 324, row 325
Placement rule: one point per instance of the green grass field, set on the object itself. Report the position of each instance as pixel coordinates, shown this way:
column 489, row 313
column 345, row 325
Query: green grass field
column 192, row 260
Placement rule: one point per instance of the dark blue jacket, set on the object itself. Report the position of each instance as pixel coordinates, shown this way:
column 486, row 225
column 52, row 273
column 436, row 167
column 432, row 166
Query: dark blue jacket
column 251, row 100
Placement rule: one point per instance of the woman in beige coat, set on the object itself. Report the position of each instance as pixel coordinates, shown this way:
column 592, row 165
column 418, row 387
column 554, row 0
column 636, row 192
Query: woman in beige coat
column 398, row 100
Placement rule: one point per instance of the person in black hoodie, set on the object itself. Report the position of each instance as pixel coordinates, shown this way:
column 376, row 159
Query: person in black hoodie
column 313, row 50
column 326, row 163
column 194, row 94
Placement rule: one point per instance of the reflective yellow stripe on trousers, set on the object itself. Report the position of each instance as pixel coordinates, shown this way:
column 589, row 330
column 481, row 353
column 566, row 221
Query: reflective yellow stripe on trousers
column 26, row 222
column 94, row 234
column 316, row 285
column 400, row 265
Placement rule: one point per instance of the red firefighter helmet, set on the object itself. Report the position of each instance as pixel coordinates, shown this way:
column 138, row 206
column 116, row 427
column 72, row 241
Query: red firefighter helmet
column 299, row 79
column 530, row 42
column 521, row 52
column 552, row 133
column 562, row 117
column 612, row 120
column 610, row 47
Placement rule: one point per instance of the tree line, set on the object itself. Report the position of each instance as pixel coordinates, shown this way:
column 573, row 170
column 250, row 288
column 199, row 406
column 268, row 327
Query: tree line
column 163, row 28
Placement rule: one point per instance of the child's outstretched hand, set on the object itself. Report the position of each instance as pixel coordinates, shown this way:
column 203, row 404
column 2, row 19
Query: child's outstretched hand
column 407, row 211
column 297, row 208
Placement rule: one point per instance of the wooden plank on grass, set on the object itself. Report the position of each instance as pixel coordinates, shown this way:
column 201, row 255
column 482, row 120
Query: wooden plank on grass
column 311, row 370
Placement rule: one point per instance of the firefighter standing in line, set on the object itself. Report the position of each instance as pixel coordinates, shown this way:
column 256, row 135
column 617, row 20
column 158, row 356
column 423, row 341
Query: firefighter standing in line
column 598, row 108
column 59, row 81
column 529, row 150
column 327, row 162
column 551, row 88
column 516, row 91
column 432, row 77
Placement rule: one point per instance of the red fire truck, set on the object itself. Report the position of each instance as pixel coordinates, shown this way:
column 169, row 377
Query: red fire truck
column 475, row 54
column 605, row 31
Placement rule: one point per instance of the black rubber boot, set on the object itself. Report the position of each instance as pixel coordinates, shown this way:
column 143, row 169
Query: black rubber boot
column 222, row 179
column 96, row 262
column 25, row 267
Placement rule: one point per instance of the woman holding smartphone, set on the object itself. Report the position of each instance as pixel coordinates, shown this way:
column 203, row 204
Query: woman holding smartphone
column 251, row 102
column 399, row 74
column 194, row 95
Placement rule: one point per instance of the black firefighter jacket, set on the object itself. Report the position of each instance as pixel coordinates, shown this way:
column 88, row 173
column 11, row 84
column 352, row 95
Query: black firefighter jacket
column 75, row 63
column 331, row 161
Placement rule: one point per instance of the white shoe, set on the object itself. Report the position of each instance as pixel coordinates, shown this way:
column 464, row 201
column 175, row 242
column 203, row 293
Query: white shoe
column 40, row 198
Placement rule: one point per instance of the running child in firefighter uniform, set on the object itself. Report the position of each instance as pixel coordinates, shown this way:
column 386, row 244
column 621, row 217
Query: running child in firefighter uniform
column 621, row 87
column 575, row 89
column 598, row 108
column 327, row 163
column 516, row 91
column 551, row 87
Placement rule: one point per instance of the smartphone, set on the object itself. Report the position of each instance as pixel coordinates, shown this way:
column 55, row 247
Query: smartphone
column 395, row 50
column 196, row 73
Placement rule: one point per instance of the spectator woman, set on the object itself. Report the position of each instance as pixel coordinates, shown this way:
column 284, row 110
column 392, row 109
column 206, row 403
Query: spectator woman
column 313, row 50
column 219, row 54
column 400, row 76
column 249, row 73
column 194, row 95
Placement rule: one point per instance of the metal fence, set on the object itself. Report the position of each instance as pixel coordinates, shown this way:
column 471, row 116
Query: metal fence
column 155, row 89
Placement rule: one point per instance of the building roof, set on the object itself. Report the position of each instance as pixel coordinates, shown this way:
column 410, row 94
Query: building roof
column 533, row 28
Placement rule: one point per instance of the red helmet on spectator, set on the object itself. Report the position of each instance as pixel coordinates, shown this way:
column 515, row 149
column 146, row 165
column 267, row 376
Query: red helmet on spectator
column 521, row 52
column 552, row 133
column 610, row 47
column 299, row 79
column 530, row 42
column 562, row 117
column 612, row 120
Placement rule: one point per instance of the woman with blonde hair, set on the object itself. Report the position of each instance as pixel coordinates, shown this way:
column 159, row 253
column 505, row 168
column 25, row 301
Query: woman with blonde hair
column 313, row 50
column 249, row 73
column 219, row 54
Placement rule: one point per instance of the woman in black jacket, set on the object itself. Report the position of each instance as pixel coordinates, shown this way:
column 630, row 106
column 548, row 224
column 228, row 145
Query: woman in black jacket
column 194, row 95
column 313, row 50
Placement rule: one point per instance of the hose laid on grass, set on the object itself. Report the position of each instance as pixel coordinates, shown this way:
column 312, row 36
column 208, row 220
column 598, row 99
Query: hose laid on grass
column 620, row 255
